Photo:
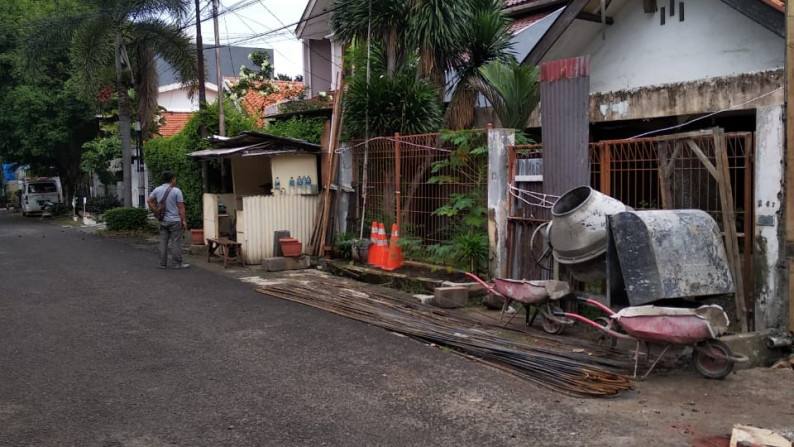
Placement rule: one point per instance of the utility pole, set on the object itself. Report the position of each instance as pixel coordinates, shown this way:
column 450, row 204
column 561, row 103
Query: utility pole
column 789, row 173
column 221, row 119
column 205, row 181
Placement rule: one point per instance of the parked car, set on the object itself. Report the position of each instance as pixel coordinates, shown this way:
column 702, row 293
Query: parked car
column 35, row 192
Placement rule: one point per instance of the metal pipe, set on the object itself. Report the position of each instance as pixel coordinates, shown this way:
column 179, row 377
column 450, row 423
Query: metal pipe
column 778, row 340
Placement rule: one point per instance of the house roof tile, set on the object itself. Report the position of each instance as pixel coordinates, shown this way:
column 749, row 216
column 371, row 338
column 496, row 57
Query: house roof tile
column 255, row 103
column 173, row 122
column 522, row 23
column 780, row 5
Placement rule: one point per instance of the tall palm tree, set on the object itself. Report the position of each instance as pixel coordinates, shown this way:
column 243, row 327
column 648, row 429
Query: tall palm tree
column 486, row 38
column 384, row 20
column 120, row 39
column 512, row 89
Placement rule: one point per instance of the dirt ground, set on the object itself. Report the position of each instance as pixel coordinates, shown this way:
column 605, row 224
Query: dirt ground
column 674, row 406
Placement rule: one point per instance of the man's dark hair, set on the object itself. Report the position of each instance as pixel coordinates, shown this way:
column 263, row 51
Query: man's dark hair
column 168, row 176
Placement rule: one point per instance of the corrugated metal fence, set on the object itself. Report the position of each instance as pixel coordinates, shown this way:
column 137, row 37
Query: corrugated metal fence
column 264, row 215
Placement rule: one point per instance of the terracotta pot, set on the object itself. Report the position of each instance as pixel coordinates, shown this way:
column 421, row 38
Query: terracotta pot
column 198, row 236
column 291, row 247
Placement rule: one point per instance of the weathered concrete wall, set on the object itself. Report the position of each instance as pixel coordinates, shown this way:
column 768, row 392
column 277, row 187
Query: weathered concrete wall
column 498, row 142
column 771, row 300
column 685, row 98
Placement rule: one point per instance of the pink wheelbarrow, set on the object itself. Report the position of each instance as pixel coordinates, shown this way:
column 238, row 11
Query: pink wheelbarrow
column 540, row 295
column 670, row 326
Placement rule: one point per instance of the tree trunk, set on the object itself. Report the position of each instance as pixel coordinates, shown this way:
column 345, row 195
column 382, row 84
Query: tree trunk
column 391, row 51
column 122, row 79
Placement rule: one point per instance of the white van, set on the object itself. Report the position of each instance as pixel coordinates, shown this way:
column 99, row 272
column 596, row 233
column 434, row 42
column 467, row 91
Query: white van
column 34, row 192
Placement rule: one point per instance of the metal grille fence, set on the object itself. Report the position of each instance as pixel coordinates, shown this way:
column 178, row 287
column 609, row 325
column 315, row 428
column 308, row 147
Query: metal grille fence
column 402, row 167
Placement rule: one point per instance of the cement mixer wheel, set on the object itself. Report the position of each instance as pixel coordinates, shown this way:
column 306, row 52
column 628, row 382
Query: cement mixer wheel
column 712, row 359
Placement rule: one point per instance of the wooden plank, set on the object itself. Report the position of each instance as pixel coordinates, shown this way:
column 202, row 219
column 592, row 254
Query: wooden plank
column 789, row 169
column 729, row 224
column 332, row 144
column 749, row 276
column 665, row 169
column 704, row 159
column 606, row 169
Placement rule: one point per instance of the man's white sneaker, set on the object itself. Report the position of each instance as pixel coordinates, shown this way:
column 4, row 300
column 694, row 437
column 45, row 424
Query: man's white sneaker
column 181, row 266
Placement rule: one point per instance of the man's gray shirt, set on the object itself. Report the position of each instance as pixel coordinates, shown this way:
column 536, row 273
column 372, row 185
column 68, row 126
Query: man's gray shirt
column 171, row 207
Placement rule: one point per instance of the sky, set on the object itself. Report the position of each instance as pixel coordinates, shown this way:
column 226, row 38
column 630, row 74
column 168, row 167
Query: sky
column 258, row 17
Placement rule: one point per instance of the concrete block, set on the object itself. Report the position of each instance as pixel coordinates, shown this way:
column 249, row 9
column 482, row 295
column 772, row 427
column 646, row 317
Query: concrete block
column 282, row 264
column 450, row 297
column 753, row 345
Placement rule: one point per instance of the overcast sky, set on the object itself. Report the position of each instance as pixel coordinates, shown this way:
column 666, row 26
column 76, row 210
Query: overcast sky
column 261, row 16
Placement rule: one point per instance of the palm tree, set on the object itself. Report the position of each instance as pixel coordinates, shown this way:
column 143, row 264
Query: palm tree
column 120, row 39
column 511, row 88
column 384, row 20
column 486, row 38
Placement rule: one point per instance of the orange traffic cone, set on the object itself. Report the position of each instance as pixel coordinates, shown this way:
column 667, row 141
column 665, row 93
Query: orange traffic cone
column 383, row 247
column 395, row 258
column 374, row 249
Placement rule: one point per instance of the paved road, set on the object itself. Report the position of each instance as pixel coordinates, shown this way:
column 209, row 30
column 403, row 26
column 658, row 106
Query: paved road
column 101, row 348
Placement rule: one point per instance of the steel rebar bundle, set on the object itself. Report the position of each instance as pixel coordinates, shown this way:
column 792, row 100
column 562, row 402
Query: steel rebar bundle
column 573, row 373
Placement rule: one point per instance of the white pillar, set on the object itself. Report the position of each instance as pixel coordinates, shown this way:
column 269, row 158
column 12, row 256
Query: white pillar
column 771, row 300
column 498, row 142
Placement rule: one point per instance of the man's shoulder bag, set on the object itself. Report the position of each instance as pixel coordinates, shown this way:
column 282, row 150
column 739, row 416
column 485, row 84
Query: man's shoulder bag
column 160, row 212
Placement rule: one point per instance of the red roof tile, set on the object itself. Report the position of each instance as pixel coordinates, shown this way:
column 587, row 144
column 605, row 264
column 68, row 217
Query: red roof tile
column 522, row 23
column 255, row 103
column 780, row 5
column 173, row 122
column 511, row 3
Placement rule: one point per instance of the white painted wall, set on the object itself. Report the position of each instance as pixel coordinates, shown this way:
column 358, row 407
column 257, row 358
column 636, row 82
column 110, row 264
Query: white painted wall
column 175, row 98
column 713, row 40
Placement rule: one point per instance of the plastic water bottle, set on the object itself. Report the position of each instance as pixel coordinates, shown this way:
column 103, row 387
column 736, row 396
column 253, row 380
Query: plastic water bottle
column 300, row 184
column 277, row 186
column 292, row 185
column 308, row 183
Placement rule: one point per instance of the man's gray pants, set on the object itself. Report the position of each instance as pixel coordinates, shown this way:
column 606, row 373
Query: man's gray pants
column 170, row 231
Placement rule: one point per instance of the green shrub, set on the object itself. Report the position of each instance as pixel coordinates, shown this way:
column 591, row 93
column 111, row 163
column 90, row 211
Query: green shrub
column 101, row 204
column 126, row 218
column 170, row 154
column 309, row 129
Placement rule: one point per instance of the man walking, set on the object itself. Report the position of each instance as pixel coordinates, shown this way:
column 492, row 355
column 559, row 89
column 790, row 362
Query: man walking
column 168, row 205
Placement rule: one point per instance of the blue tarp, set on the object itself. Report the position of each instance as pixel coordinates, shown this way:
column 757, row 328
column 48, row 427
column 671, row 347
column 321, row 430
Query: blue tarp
column 9, row 171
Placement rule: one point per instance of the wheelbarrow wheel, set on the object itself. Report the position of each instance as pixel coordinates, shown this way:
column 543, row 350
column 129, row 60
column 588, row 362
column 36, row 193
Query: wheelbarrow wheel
column 549, row 325
column 602, row 338
column 712, row 359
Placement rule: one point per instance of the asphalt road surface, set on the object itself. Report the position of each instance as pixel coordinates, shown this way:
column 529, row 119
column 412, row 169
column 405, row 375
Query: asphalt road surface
column 101, row 348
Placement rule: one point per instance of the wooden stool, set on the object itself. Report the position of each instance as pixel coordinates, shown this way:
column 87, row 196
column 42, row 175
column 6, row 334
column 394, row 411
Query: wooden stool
column 225, row 244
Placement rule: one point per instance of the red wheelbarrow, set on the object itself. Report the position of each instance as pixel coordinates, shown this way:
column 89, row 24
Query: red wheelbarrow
column 670, row 326
column 541, row 295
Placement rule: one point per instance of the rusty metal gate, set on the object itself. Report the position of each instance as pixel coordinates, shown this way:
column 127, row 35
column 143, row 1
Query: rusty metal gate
column 629, row 170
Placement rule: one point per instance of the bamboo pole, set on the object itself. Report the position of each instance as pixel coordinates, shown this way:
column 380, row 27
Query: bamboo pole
column 397, row 180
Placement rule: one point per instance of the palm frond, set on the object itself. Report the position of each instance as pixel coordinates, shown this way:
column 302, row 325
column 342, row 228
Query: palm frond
column 92, row 53
column 511, row 88
column 157, row 38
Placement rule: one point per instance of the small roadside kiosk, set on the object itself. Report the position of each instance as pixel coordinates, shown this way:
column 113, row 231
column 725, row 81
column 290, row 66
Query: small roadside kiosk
column 274, row 188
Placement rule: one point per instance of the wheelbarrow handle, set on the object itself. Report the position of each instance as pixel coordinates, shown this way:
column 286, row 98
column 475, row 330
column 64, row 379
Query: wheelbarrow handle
column 589, row 301
column 477, row 278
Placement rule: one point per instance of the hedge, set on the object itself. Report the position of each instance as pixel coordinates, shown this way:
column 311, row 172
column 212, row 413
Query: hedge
column 126, row 218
